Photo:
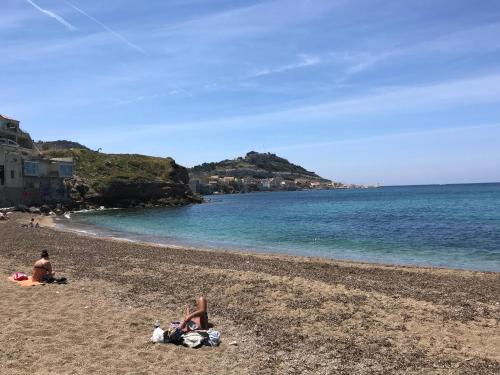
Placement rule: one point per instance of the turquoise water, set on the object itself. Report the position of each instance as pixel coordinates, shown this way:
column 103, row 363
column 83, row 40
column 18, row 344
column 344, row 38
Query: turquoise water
column 455, row 226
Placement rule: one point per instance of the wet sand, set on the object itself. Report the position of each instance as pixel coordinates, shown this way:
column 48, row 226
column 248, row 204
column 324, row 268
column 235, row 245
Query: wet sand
column 288, row 315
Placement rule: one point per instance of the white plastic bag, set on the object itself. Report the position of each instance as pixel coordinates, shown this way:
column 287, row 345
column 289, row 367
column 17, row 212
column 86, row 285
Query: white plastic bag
column 213, row 337
column 157, row 335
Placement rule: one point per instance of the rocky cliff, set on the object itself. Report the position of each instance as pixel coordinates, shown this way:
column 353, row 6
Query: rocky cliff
column 124, row 180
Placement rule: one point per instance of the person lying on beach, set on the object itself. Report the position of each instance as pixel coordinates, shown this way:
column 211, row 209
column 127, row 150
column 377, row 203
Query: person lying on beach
column 31, row 224
column 42, row 271
column 197, row 319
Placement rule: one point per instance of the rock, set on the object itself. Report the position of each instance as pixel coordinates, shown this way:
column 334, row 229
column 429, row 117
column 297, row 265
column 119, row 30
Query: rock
column 34, row 210
column 22, row 208
column 45, row 209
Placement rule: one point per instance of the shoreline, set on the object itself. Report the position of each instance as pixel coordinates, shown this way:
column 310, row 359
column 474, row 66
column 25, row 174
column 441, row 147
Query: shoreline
column 287, row 314
column 123, row 236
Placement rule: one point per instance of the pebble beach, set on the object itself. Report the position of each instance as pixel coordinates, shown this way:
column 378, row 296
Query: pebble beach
column 277, row 314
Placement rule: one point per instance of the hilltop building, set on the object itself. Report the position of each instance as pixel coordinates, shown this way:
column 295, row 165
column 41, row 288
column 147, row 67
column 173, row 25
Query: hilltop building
column 26, row 176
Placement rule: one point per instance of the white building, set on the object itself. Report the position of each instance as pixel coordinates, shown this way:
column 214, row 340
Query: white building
column 25, row 175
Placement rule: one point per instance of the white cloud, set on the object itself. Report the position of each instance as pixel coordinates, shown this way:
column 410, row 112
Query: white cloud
column 475, row 40
column 116, row 34
column 253, row 20
column 393, row 136
column 390, row 100
column 58, row 18
column 305, row 60
column 32, row 51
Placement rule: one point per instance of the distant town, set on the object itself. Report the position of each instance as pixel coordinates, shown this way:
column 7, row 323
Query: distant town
column 234, row 185
column 258, row 172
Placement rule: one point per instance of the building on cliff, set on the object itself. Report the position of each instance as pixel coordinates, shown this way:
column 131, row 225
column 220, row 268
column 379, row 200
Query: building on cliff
column 26, row 177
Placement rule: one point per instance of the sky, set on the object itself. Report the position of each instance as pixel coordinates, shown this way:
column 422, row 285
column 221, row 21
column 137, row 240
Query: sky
column 359, row 91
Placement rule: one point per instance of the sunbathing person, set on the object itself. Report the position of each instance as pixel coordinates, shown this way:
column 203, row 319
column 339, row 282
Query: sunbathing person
column 197, row 319
column 42, row 271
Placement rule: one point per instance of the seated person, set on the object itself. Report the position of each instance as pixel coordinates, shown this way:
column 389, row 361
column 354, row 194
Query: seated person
column 197, row 319
column 3, row 216
column 42, row 271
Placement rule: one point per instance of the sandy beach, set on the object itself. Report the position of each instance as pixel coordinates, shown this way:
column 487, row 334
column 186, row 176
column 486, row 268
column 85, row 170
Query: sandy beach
column 282, row 314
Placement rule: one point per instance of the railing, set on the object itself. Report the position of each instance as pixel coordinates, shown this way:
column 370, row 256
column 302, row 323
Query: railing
column 8, row 142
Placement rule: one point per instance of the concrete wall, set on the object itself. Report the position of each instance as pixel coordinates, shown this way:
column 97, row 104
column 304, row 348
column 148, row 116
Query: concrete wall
column 13, row 171
column 44, row 190
column 11, row 184
column 29, row 190
column 9, row 197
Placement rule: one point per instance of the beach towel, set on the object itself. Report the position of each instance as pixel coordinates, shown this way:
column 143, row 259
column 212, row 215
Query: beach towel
column 25, row 283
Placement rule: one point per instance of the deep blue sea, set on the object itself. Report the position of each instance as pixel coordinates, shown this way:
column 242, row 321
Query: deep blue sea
column 456, row 226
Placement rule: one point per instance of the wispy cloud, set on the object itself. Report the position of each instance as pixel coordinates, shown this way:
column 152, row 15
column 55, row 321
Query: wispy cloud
column 305, row 60
column 116, row 34
column 480, row 39
column 61, row 48
column 253, row 20
column 57, row 17
column 397, row 135
column 143, row 98
column 388, row 101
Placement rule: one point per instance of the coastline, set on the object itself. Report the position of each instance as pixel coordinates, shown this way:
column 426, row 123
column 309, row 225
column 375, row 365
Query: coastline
column 288, row 314
column 96, row 232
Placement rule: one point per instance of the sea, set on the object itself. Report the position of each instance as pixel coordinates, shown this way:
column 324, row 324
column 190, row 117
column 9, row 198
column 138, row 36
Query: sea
column 449, row 226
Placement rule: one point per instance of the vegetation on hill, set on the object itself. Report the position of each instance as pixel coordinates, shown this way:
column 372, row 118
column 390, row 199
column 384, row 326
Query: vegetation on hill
column 255, row 165
column 101, row 169
column 125, row 178
column 59, row 145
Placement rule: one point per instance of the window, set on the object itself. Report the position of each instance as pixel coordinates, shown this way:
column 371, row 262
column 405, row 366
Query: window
column 31, row 168
column 12, row 174
column 2, row 175
column 65, row 170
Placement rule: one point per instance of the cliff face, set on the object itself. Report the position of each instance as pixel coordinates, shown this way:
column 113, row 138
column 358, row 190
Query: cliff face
column 125, row 180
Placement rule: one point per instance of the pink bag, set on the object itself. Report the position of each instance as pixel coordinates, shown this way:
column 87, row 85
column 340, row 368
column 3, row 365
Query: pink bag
column 19, row 276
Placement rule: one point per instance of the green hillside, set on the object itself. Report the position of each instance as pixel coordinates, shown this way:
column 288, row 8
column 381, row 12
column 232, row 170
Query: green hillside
column 126, row 178
column 101, row 169
column 255, row 165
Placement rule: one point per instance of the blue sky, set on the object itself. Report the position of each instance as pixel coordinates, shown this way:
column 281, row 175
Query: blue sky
column 396, row 92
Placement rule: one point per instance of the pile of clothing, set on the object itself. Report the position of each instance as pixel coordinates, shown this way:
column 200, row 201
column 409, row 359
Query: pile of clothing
column 191, row 339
